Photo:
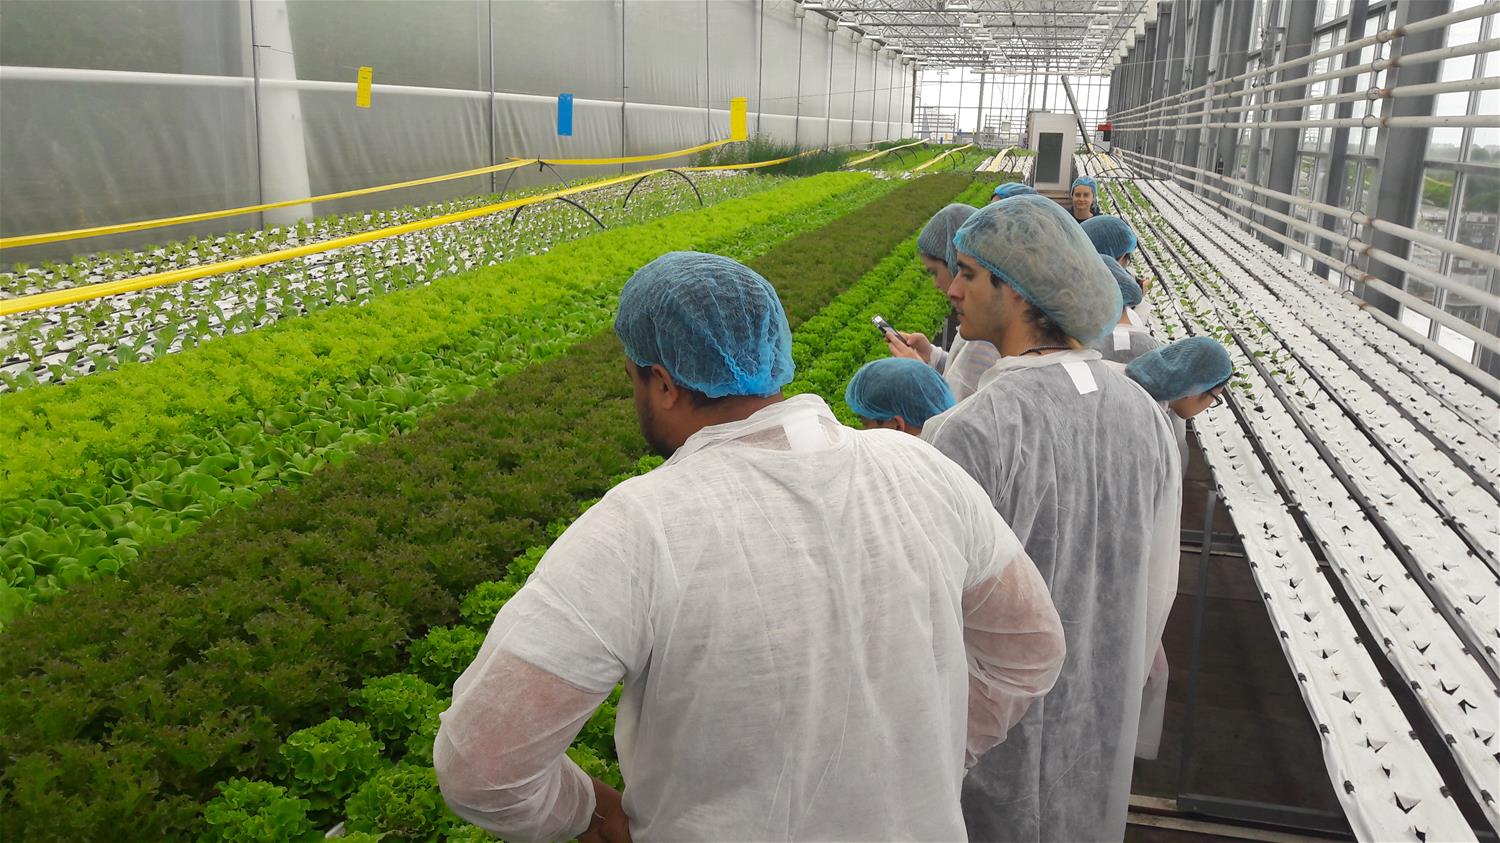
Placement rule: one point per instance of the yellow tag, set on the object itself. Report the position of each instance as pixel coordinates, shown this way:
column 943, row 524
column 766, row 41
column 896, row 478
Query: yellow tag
column 738, row 123
column 362, row 95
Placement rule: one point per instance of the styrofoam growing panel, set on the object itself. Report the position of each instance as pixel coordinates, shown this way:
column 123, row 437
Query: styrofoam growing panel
column 1469, row 586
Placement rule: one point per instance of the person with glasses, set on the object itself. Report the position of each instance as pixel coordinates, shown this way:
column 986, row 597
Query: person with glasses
column 1189, row 376
column 1080, row 462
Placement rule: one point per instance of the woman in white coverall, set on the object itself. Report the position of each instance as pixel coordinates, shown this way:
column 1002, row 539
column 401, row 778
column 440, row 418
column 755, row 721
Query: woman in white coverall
column 1081, row 463
column 818, row 628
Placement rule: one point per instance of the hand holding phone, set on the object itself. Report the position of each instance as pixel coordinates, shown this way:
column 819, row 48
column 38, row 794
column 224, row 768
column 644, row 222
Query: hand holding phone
column 885, row 328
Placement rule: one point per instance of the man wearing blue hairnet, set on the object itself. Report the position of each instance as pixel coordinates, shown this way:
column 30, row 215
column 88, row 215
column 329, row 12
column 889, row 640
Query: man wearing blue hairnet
column 958, row 360
column 817, row 628
column 1081, row 462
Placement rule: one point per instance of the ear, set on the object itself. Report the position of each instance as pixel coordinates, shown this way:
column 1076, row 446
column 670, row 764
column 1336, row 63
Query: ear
column 663, row 388
column 900, row 424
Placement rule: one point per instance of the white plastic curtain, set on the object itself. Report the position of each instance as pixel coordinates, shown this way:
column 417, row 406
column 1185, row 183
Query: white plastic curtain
column 118, row 110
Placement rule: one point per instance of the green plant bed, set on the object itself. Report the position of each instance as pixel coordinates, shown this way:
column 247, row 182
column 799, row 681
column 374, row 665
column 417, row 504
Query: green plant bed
column 403, row 708
column 93, row 526
column 805, row 162
column 122, row 707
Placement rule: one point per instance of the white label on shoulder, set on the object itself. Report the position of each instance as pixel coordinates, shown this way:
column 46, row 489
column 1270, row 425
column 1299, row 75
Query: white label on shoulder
column 1122, row 339
column 1082, row 377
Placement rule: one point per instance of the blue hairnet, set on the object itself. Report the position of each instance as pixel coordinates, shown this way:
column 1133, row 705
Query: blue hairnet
column 1130, row 289
column 1033, row 245
column 1085, row 180
column 1013, row 188
column 936, row 239
column 1187, row 367
column 1111, row 235
column 713, row 323
column 898, row 386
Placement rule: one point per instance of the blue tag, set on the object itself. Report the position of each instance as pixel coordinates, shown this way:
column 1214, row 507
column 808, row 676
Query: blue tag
column 565, row 115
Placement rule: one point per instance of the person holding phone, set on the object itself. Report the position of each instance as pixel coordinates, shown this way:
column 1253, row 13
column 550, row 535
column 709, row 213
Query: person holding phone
column 963, row 361
column 817, row 628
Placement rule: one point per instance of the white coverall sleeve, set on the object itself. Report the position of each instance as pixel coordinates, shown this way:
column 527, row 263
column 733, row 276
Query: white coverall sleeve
column 939, row 358
column 500, row 750
column 1012, row 631
column 553, row 654
column 1016, row 648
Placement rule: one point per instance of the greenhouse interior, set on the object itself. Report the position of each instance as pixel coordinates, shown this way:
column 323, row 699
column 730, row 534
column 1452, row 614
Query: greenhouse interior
column 1038, row 420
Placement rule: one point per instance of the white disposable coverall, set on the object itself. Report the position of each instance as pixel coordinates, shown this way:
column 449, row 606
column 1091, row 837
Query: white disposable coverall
column 963, row 364
column 816, row 627
column 1127, row 342
column 1082, row 464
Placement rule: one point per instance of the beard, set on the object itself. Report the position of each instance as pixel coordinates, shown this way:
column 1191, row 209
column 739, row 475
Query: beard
column 651, row 432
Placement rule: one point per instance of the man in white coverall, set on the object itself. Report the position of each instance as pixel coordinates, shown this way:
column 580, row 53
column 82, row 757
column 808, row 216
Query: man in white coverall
column 1081, row 463
column 818, row 629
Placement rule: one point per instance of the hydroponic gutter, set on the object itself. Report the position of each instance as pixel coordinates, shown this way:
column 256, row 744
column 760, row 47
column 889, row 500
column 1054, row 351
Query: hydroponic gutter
column 1439, row 500
column 1386, row 783
column 1431, row 657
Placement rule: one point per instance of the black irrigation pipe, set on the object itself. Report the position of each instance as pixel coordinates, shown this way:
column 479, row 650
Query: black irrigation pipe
column 677, row 173
column 517, row 214
column 1476, row 547
column 1463, row 417
column 1433, row 735
column 1483, row 655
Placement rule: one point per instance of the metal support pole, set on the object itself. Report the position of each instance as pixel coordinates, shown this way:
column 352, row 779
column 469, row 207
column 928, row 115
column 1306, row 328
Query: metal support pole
column 828, row 94
column 1169, row 139
column 1399, row 187
column 1338, row 144
column 1234, row 57
column 1296, row 43
column 979, row 116
column 1156, row 70
column 760, row 63
column 797, row 119
column 853, row 93
column 1203, row 37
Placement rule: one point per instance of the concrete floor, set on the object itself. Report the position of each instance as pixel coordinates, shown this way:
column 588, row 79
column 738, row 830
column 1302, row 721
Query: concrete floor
column 1253, row 739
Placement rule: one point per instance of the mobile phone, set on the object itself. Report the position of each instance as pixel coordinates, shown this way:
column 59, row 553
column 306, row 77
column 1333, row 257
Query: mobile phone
column 885, row 326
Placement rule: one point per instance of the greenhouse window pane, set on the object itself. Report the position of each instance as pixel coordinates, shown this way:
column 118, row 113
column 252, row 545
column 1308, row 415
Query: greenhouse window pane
column 1416, row 321
column 1427, row 258
column 1437, row 195
column 1445, row 144
column 1455, row 342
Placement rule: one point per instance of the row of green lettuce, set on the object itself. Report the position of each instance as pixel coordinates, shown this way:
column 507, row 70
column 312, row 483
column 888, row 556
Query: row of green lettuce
column 373, row 771
column 123, row 706
column 139, row 487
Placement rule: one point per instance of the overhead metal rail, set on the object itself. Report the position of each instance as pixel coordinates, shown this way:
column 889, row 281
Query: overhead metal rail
column 1071, row 36
column 1170, row 169
column 1176, row 101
